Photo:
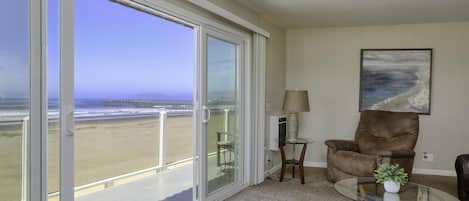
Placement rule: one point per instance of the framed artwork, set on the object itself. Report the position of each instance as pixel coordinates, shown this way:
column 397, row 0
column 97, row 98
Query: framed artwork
column 396, row 80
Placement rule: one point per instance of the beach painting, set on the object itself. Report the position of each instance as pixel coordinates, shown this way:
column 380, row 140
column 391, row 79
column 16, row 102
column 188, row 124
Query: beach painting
column 396, row 80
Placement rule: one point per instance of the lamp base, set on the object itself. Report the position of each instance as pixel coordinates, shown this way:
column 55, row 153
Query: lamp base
column 292, row 126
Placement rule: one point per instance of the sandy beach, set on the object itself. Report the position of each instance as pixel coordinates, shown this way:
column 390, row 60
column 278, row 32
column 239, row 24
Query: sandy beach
column 104, row 149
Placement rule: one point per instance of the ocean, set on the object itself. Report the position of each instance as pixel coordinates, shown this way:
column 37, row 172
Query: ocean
column 13, row 111
column 379, row 85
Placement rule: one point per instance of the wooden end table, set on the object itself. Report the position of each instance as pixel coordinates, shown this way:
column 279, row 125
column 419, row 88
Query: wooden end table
column 294, row 162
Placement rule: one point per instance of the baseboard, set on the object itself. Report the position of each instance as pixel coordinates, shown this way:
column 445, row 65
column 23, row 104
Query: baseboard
column 272, row 170
column 415, row 171
column 315, row 164
column 448, row 173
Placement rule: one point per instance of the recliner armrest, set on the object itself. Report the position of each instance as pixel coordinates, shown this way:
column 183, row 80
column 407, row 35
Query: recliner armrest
column 343, row 145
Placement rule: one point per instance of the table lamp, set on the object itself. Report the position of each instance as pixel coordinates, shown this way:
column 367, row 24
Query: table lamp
column 295, row 101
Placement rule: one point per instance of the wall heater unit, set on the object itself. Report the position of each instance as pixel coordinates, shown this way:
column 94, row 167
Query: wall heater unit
column 278, row 132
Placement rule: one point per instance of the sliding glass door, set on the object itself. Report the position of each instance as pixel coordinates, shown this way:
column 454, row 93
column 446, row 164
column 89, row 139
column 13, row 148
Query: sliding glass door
column 133, row 103
column 149, row 107
column 126, row 104
column 222, row 114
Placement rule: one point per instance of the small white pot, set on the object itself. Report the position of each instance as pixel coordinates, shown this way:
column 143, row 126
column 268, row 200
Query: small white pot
column 392, row 186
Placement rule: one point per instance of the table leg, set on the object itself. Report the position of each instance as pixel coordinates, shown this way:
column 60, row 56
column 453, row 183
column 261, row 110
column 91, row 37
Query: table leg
column 293, row 158
column 301, row 164
column 302, row 174
column 284, row 161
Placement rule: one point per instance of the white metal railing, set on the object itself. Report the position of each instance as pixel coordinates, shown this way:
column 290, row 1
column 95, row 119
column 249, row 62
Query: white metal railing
column 162, row 143
column 24, row 158
column 109, row 182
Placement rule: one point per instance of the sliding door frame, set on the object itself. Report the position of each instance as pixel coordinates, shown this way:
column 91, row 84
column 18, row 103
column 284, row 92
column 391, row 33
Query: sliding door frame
column 66, row 100
column 200, row 24
column 243, row 90
column 33, row 186
column 38, row 154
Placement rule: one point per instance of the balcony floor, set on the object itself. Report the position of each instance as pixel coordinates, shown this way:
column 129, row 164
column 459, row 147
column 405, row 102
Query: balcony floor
column 151, row 188
column 177, row 180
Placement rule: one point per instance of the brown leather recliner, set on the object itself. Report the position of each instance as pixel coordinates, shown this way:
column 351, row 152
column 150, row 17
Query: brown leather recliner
column 381, row 137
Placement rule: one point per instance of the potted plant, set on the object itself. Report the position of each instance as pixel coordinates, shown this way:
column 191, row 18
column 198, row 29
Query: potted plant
column 392, row 176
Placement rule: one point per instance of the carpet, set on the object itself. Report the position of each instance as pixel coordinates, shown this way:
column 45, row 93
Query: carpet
column 317, row 188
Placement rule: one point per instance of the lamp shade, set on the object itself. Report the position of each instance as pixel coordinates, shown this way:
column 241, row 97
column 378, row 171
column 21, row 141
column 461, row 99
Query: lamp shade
column 296, row 101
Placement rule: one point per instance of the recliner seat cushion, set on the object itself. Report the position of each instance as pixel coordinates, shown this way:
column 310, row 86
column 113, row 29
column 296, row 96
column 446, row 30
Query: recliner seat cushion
column 372, row 145
column 355, row 163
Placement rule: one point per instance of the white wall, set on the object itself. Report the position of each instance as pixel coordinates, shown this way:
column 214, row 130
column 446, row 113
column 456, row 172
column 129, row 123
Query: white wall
column 326, row 61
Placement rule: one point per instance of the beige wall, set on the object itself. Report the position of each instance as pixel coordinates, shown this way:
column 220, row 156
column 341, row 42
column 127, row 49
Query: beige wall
column 326, row 61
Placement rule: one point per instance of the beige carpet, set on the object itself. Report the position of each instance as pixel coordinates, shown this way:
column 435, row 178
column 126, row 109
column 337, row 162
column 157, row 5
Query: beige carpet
column 317, row 188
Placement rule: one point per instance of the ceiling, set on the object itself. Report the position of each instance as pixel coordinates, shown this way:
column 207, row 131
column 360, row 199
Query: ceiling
column 327, row 13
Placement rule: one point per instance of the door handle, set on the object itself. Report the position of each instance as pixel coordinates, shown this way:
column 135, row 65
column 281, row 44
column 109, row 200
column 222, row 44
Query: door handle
column 206, row 114
column 70, row 120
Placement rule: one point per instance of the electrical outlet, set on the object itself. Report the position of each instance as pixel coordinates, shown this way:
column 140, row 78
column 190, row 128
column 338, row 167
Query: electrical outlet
column 427, row 157
column 268, row 157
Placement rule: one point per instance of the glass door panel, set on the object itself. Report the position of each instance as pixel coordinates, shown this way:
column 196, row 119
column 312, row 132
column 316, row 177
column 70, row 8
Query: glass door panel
column 53, row 126
column 133, row 103
column 222, row 105
column 112, row 97
column 14, row 98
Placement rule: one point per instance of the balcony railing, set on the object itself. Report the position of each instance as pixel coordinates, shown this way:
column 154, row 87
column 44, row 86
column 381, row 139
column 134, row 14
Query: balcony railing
column 24, row 158
column 109, row 182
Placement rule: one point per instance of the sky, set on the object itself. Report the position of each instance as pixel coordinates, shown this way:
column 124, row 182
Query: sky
column 221, row 69
column 123, row 53
column 14, row 49
column 120, row 53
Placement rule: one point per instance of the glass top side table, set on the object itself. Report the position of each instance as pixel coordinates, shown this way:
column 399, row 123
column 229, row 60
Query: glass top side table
column 367, row 189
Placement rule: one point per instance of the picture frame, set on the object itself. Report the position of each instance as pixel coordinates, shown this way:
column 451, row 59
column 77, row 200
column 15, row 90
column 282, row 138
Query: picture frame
column 397, row 80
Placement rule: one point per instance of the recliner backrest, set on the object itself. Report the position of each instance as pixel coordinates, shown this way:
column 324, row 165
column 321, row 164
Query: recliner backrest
column 383, row 130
